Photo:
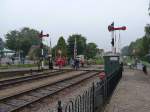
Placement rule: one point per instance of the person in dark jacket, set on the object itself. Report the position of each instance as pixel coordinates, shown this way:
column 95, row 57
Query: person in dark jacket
column 76, row 64
column 121, row 65
column 145, row 69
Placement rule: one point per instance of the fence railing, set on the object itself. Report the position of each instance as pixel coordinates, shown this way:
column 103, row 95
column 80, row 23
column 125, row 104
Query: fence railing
column 93, row 99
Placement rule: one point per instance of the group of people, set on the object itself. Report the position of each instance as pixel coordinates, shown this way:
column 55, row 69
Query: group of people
column 75, row 63
column 139, row 66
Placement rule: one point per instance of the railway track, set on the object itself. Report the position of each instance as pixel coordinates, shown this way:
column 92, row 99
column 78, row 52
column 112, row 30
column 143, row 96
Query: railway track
column 17, row 72
column 4, row 83
column 20, row 100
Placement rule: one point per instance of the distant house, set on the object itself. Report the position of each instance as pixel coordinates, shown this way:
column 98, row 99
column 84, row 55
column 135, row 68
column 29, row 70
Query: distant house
column 8, row 52
column 5, row 56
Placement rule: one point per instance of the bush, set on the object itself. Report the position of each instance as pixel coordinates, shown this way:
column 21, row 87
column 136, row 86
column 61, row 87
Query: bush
column 99, row 61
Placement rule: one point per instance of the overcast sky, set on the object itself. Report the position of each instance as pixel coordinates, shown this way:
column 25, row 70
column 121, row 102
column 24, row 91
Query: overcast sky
column 87, row 17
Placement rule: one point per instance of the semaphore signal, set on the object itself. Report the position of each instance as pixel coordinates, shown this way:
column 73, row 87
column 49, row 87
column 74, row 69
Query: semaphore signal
column 112, row 29
column 41, row 35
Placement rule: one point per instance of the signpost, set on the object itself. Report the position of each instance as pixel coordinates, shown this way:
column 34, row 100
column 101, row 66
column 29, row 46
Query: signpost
column 42, row 50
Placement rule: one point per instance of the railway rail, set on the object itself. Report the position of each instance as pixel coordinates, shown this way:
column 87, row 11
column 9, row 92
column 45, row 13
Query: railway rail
column 13, row 72
column 4, row 83
column 20, row 100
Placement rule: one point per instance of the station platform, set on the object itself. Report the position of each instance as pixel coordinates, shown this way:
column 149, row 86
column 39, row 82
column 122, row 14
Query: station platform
column 132, row 93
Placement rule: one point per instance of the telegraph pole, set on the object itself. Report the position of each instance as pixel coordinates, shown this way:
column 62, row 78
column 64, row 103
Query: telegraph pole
column 75, row 48
column 50, row 53
column 42, row 50
column 50, row 56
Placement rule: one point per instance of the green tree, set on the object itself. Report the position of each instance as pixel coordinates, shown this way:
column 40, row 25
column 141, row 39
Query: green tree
column 81, row 44
column 136, row 48
column 22, row 40
column 141, row 47
column 12, row 40
column 146, row 40
column 146, row 45
column 54, row 51
column 125, row 51
column 147, row 30
column 1, row 44
column 1, row 48
column 34, row 53
column 91, row 50
column 61, row 45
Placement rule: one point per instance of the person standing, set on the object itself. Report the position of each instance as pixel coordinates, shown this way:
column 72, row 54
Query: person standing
column 76, row 64
column 145, row 69
column 13, row 59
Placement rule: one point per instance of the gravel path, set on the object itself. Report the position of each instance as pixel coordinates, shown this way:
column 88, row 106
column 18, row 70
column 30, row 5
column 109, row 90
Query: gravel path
column 132, row 93
column 28, row 86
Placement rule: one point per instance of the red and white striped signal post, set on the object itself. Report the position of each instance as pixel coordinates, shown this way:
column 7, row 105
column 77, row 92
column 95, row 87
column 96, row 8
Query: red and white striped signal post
column 42, row 51
column 111, row 29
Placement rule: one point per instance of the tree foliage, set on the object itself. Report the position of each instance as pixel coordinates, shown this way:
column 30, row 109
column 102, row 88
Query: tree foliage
column 54, row 51
column 91, row 50
column 22, row 40
column 81, row 44
column 61, row 45
column 1, row 44
column 134, row 49
column 34, row 53
column 146, row 45
column 140, row 47
column 125, row 51
column 1, row 48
